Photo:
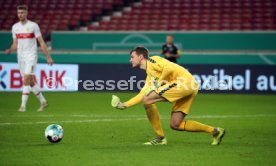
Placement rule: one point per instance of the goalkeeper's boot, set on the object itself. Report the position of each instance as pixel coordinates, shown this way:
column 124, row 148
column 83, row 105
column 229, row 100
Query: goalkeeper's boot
column 157, row 141
column 42, row 107
column 218, row 136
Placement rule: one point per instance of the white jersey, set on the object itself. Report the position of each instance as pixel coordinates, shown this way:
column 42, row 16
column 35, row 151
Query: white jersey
column 26, row 39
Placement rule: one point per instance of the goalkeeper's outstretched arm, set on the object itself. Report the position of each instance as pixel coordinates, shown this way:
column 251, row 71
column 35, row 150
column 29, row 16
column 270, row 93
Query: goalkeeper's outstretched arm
column 135, row 100
column 117, row 103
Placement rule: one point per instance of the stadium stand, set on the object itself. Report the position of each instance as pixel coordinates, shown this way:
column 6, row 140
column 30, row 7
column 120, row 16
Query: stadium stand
column 144, row 15
column 59, row 14
column 194, row 15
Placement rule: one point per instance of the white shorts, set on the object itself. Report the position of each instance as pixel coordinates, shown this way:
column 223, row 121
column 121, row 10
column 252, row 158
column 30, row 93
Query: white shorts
column 27, row 65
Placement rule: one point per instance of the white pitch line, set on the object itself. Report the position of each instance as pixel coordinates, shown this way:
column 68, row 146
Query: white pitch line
column 129, row 116
column 77, row 116
column 134, row 119
column 28, row 116
column 69, row 121
column 104, row 116
column 231, row 116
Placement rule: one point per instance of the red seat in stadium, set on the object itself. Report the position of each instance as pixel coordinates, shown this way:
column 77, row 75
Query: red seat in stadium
column 148, row 15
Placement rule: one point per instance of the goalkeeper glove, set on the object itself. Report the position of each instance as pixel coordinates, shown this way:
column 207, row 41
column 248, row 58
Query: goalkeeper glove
column 116, row 103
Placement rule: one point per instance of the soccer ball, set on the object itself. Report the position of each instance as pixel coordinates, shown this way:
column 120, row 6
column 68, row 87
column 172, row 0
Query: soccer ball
column 54, row 133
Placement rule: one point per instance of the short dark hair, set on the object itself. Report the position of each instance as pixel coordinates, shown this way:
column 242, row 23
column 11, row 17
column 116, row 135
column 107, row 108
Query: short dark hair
column 22, row 7
column 141, row 51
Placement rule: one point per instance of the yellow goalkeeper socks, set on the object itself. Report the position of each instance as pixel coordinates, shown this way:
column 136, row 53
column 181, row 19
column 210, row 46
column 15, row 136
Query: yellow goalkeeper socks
column 194, row 126
column 154, row 118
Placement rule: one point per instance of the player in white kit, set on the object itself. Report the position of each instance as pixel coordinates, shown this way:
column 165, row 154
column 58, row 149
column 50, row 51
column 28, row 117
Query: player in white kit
column 25, row 33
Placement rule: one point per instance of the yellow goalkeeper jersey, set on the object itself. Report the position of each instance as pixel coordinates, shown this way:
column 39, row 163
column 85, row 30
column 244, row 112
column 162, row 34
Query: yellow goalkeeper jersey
column 160, row 70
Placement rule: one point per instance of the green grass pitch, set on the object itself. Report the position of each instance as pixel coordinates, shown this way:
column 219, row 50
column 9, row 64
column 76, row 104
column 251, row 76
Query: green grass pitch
column 97, row 134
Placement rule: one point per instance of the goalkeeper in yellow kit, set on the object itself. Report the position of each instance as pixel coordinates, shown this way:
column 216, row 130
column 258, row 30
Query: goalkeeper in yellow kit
column 166, row 81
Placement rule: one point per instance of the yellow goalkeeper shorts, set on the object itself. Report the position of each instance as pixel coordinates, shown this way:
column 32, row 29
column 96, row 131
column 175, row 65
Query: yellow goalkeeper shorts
column 181, row 96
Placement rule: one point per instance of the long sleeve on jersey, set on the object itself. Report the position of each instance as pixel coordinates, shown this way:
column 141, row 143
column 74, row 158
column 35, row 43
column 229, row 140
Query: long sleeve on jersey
column 135, row 100
column 138, row 98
